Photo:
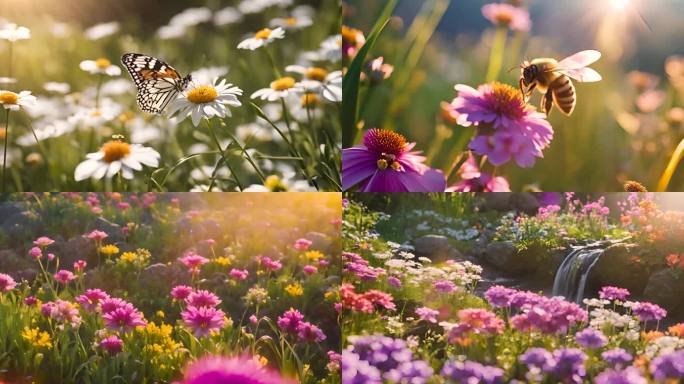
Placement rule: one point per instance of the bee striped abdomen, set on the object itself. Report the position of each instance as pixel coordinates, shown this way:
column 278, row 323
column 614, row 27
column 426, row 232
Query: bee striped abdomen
column 564, row 94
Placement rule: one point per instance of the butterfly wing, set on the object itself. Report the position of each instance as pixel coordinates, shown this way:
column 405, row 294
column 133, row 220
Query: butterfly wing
column 575, row 66
column 157, row 82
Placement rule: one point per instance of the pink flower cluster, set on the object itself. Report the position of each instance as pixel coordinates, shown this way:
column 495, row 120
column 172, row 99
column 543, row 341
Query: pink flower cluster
column 192, row 261
column 292, row 321
column 200, row 313
column 62, row 311
column 91, row 299
column 356, row 264
column 475, row 321
column 365, row 302
column 302, row 244
column 121, row 316
column 7, row 283
column 268, row 263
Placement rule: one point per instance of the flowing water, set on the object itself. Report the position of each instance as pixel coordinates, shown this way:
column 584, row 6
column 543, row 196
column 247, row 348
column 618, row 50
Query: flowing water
column 571, row 277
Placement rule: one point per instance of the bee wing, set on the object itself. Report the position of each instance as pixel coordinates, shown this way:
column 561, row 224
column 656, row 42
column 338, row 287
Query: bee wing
column 583, row 75
column 579, row 60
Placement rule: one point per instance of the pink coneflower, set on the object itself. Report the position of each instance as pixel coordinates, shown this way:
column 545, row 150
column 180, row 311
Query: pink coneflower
column 473, row 180
column 202, row 298
column 112, row 344
column 269, row 263
column 302, row 244
column 124, row 318
column 222, row 370
column 30, row 300
column 180, row 292
column 64, row 277
column 385, row 163
column 97, row 235
column 507, row 128
column 506, row 15
column 109, row 304
column 35, row 253
column 290, row 321
column 91, row 298
column 203, row 320
column 80, row 265
column 43, row 241
column 427, row 314
column 7, row 283
column 310, row 333
column 193, row 261
column 309, row 269
column 238, row 274
column 63, row 311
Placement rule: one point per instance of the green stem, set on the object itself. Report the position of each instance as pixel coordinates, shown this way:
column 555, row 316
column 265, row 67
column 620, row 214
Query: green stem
column 97, row 91
column 496, row 55
column 219, row 163
column 249, row 158
column 276, row 71
column 9, row 58
column 4, row 155
column 286, row 116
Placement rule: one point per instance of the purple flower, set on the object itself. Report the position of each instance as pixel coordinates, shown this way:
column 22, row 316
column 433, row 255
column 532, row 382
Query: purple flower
column 506, row 127
column 290, row 321
column 591, row 338
column 91, row 298
column 7, row 283
column 471, row 372
column 629, row 375
column 394, row 281
column 269, row 263
column 537, row 357
column 473, row 180
column 670, row 366
column 648, row 311
column 358, row 371
column 385, row 163
column 310, row 333
column 181, row 292
column 427, row 314
column 112, row 303
column 202, row 298
column 221, row 370
column 112, row 344
column 569, row 365
column 203, row 320
column 506, row 15
column 124, row 318
column 193, row 261
column 613, row 293
column 617, row 357
column 444, row 286
column 382, row 352
column 414, row 372
column 499, row 296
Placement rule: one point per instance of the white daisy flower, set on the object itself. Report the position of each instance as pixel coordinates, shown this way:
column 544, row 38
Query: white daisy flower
column 12, row 32
column 7, row 80
column 287, row 183
column 143, row 131
column 211, row 100
column 116, row 87
column 293, row 22
column 52, row 86
column 227, row 15
column 101, row 30
column 315, row 79
column 278, row 89
column 54, row 128
column 100, row 66
column 256, row 131
column 305, row 107
column 330, row 50
column 168, row 32
column 191, row 17
column 116, row 156
column 253, row 6
column 91, row 117
column 15, row 101
column 262, row 38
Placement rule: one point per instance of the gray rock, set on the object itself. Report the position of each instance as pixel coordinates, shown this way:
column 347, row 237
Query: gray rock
column 156, row 276
column 10, row 261
column 20, row 225
column 436, row 248
column 502, row 255
column 111, row 229
column 76, row 248
column 616, row 268
column 665, row 289
column 9, row 208
column 523, row 202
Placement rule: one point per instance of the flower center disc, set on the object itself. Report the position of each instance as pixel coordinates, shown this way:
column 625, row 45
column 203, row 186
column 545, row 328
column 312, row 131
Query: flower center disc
column 283, row 83
column 504, row 18
column 115, row 150
column 506, row 100
column 263, row 34
column 315, row 73
column 291, row 21
column 349, row 35
column 102, row 63
column 384, row 141
column 203, row 94
column 274, row 184
column 309, row 100
column 8, row 97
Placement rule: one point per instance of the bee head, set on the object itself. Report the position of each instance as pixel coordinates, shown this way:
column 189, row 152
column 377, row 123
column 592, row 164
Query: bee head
column 529, row 72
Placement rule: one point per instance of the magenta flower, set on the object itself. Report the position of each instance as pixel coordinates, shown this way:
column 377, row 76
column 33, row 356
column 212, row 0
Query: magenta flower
column 30, row 300
column 181, row 292
column 124, row 318
column 43, row 241
column 269, row 263
column 64, row 277
column 203, row 320
column 385, row 163
column 80, row 265
column 202, row 298
column 473, row 180
column 35, row 253
column 444, row 286
column 109, row 304
column 310, row 333
column 507, row 128
column 221, row 370
column 648, row 311
column 309, row 269
column 613, row 293
column 112, row 344
column 506, row 15
column 91, row 298
column 7, row 283
column 427, row 314
column 238, row 274
column 97, row 235
column 63, row 311
column 302, row 244
column 290, row 321
column 193, row 261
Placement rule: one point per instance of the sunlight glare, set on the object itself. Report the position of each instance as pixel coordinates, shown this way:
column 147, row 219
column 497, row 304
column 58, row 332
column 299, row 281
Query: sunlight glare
column 619, row 5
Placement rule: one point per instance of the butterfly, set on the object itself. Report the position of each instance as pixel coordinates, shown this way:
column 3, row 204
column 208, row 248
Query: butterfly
column 158, row 83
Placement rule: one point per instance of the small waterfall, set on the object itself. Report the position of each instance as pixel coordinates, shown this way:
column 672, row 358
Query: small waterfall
column 571, row 277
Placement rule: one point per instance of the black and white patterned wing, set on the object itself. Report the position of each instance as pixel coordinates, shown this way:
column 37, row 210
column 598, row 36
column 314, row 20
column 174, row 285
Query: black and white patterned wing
column 158, row 83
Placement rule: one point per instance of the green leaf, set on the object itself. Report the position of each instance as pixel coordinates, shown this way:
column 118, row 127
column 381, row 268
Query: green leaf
column 352, row 79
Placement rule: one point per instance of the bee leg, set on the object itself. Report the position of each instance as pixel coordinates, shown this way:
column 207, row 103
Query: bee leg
column 547, row 102
column 521, row 84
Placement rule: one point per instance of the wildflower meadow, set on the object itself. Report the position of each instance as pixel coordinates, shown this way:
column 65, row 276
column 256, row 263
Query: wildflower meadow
column 132, row 96
column 162, row 288
column 512, row 288
column 514, row 95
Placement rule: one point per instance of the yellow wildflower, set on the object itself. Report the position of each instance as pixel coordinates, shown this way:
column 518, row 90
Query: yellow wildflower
column 37, row 338
column 109, row 249
column 313, row 255
column 294, row 289
column 222, row 261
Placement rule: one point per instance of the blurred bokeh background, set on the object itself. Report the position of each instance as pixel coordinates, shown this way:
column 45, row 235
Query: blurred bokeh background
column 624, row 127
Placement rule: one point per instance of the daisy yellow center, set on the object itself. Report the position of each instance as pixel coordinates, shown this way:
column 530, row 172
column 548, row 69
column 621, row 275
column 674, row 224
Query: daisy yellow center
column 273, row 183
column 102, row 63
column 315, row 73
column 263, row 34
column 115, row 150
column 203, row 94
column 506, row 100
column 283, row 83
column 8, row 97
column 309, row 100
column 292, row 21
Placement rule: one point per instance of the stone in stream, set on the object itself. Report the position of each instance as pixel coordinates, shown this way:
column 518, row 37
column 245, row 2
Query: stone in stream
column 436, row 248
column 616, row 268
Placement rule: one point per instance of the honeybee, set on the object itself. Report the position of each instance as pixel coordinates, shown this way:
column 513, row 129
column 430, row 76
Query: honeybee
column 552, row 79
